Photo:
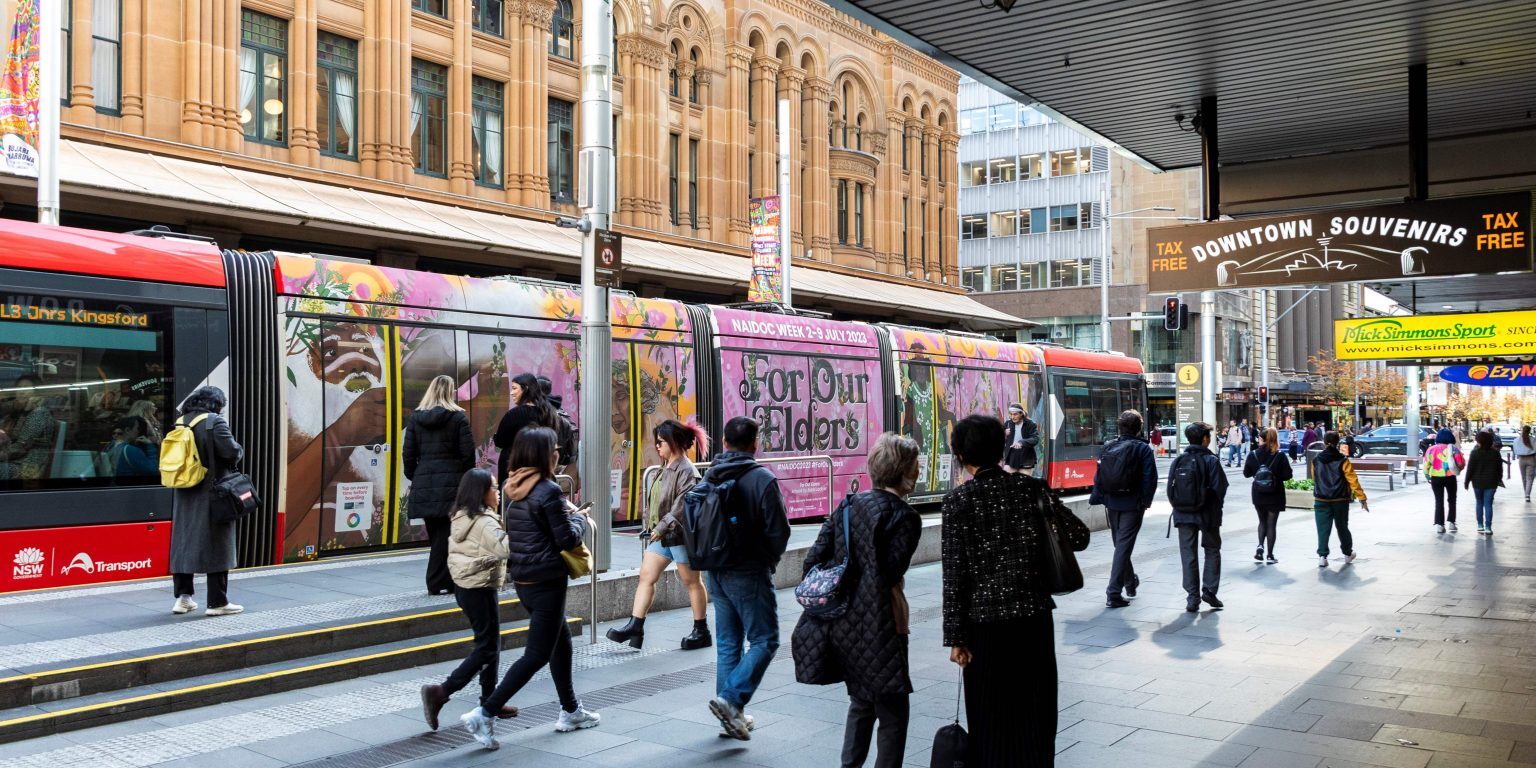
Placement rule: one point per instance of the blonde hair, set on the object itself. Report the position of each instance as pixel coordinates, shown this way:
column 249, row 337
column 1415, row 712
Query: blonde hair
column 440, row 394
column 891, row 459
column 1272, row 440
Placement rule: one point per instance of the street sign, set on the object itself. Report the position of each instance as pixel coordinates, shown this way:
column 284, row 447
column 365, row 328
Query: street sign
column 1430, row 337
column 1187, row 402
column 1452, row 236
column 609, row 258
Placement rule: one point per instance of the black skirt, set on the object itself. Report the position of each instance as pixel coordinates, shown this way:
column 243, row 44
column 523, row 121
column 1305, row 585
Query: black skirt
column 1010, row 693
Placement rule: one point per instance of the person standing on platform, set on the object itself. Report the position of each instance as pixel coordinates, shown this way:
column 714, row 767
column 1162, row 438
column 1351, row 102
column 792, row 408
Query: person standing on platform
column 200, row 543
column 439, row 448
column 1197, row 491
column 1269, row 474
column 1485, row 475
column 1443, row 462
column 1022, row 437
column 530, row 408
column 1125, row 484
column 1334, row 486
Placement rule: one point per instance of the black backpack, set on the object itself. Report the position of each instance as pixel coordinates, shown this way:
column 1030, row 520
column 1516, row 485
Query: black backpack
column 1186, row 483
column 1264, row 479
column 566, row 437
column 711, row 526
column 1116, row 473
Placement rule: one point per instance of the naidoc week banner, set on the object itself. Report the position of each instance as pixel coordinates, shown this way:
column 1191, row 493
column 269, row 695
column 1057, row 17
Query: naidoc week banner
column 1437, row 337
column 767, row 284
column 1454, row 236
column 19, row 92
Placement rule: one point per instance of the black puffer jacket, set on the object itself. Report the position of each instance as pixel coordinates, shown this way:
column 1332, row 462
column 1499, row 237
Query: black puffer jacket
column 538, row 530
column 862, row 647
column 1281, row 468
column 439, row 449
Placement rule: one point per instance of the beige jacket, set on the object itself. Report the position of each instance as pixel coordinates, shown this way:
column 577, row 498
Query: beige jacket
column 676, row 480
column 477, row 550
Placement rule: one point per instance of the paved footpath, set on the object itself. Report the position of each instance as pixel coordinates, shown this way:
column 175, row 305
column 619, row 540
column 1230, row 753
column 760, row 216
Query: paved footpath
column 1420, row 653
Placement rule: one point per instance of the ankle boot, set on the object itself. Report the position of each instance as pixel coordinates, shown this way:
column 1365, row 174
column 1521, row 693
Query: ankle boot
column 632, row 633
column 699, row 637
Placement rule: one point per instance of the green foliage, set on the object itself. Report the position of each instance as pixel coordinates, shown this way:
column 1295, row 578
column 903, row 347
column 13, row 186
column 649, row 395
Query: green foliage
column 1298, row 484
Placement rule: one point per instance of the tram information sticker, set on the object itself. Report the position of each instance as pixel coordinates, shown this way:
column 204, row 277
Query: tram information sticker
column 354, row 507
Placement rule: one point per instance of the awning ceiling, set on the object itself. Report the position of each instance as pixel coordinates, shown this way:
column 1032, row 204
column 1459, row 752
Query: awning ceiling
column 1291, row 78
column 98, row 170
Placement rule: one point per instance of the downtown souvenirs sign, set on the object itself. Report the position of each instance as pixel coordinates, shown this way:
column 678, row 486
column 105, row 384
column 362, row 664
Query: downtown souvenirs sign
column 1454, row 236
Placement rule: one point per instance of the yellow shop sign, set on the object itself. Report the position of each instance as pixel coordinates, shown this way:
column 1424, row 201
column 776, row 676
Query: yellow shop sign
column 1427, row 337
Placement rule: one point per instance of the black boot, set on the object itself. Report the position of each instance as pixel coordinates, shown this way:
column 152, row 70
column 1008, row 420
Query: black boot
column 699, row 637
column 632, row 633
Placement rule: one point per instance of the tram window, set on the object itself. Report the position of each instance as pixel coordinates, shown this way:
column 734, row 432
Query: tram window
column 83, row 392
column 1089, row 410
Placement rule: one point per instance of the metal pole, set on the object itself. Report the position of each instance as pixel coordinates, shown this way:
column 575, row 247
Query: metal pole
column 1208, row 357
column 50, row 61
column 596, row 332
column 1411, row 411
column 1264, row 420
column 1104, row 267
column 786, row 240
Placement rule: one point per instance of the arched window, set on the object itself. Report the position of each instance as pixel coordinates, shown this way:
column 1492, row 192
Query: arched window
column 693, row 78
column 560, row 31
column 672, row 87
column 858, row 134
column 847, row 96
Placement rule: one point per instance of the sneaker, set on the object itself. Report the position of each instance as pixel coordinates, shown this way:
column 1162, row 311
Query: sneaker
column 1480, row 528
column 480, row 727
column 1322, row 562
column 1452, row 525
column 732, row 720
column 751, row 726
column 184, row 604
column 1258, row 555
column 581, row 718
column 227, row 609
column 1349, row 558
column 1439, row 528
column 1487, row 531
column 1271, row 559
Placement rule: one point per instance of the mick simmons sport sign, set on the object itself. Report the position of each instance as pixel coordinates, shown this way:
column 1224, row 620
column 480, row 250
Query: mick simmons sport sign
column 1455, row 236
column 1437, row 337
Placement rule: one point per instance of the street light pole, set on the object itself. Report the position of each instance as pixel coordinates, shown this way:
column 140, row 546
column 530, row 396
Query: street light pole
column 596, row 203
column 1104, row 267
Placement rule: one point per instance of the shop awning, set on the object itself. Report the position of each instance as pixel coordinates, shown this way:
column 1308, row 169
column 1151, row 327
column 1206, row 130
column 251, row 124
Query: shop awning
column 115, row 173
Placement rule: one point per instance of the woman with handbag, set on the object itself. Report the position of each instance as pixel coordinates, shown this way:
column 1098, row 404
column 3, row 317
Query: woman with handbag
column 439, row 449
column 874, row 533
column 1269, row 474
column 997, row 599
column 540, row 527
column 200, row 541
column 673, row 441
column 477, row 562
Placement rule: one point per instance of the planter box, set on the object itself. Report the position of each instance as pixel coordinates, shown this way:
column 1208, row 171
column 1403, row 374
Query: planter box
column 1298, row 499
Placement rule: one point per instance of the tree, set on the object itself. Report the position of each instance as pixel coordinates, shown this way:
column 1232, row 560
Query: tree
column 1332, row 379
column 1384, row 386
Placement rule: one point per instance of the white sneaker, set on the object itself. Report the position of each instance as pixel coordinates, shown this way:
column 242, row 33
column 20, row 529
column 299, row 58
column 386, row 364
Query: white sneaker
column 751, row 726
column 480, row 727
column 581, row 718
column 1322, row 562
column 1440, row 528
column 1453, row 527
column 1350, row 558
column 184, row 604
column 227, row 609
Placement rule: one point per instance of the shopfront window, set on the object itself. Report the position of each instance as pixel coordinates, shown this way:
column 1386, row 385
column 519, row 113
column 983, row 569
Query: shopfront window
column 84, row 387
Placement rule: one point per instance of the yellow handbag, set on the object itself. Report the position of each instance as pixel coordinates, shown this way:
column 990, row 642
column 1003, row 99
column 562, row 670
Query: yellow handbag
column 578, row 560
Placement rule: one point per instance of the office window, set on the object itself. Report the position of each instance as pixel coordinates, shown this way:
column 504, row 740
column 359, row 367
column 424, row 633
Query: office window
column 434, row 7
column 562, row 151
column 1038, row 221
column 263, row 77
column 1030, row 116
column 1029, row 166
column 336, row 125
column 429, row 117
column 1002, row 170
column 106, row 54
column 973, row 279
column 973, row 174
column 1085, row 160
column 561, row 31
column 973, row 226
column 486, row 99
column 842, row 211
column 487, row 16
column 1033, row 275
column 1064, row 163
column 672, row 158
column 1005, row 224
column 1005, row 277
column 1063, row 218
column 1085, row 215
column 693, row 184
column 1004, row 116
column 858, row 214
column 973, row 120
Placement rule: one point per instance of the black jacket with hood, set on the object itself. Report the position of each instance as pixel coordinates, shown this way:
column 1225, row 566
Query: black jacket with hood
column 538, row 528
column 439, row 449
column 758, row 501
column 1215, row 488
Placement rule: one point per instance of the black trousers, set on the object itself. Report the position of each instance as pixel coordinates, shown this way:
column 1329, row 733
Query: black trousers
column 549, row 642
column 1193, row 538
column 438, row 579
column 1124, row 526
column 1268, row 520
column 218, row 587
column 480, row 607
column 1445, row 498
column 1010, row 693
column 893, row 712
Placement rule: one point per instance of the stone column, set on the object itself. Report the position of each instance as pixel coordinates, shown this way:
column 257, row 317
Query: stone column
column 461, row 165
column 791, row 83
column 710, row 156
column 226, row 75
column 738, row 136
column 644, row 127
column 304, row 97
column 81, row 97
column 818, row 227
column 930, row 186
column 385, row 89
column 765, row 73
column 533, row 98
column 133, row 64
column 949, row 148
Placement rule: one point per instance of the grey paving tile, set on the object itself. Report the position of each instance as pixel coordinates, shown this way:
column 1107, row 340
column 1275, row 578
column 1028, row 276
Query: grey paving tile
column 1440, row 741
column 1187, row 747
column 1346, row 728
column 1275, row 758
column 1095, row 732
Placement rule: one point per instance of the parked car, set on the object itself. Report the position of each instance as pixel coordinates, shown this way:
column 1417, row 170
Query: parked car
column 1389, row 439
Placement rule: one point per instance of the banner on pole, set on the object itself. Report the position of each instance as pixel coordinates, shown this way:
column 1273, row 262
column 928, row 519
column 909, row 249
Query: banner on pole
column 767, row 285
column 19, row 92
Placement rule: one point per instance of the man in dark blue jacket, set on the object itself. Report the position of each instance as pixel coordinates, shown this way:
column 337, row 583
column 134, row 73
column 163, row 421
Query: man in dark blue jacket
column 1198, row 473
column 1125, row 484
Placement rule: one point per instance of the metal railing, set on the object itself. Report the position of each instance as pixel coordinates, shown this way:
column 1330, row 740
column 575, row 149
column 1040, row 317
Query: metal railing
column 568, row 487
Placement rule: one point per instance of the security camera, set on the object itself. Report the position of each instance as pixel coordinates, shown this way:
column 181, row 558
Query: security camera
column 582, row 225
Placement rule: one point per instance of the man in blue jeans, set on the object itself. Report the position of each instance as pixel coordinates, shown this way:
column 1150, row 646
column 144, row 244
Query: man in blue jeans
column 742, row 590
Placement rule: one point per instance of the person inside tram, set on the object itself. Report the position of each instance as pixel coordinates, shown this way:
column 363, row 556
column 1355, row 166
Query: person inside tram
column 133, row 453
column 31, row 432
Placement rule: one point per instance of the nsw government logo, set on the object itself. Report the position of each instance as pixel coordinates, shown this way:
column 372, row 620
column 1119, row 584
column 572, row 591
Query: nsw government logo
column 28, row 564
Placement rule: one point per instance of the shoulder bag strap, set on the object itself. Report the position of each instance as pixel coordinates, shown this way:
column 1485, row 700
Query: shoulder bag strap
column 847, row 537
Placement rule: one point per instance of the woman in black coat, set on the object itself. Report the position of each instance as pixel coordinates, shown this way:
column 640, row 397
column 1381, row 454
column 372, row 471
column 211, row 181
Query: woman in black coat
column 1268, row 503
column 439, row 449
column 530, row 408
column 866, row 647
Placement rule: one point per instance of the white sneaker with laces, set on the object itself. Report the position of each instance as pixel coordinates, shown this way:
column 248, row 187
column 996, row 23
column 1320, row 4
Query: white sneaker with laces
column 751, row 726
column 1439, row 528
column 581, row 718
column 480, row 727
column 227, row 609
column 1322, row 562
column 1453, row 527
column 184, row 604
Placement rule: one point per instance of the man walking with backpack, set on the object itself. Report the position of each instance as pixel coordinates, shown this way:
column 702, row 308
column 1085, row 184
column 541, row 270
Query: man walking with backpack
column 1197, row 488
column 736, row 530
column 1334, row 486
column 1125, row 484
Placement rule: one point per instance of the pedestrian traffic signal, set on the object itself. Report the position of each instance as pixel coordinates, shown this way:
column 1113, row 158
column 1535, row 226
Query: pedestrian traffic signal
column 1175, row 314
column 1264, row 394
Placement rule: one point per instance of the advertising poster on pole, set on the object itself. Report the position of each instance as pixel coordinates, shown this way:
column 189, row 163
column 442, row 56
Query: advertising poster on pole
column 19, row 92
column 767, row 284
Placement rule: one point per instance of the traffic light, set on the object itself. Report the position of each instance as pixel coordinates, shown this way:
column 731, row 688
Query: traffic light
column 1175, row 314
column 1264, row 395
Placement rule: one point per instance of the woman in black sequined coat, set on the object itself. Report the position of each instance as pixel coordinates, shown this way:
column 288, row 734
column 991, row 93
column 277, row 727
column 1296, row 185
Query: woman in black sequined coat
column 997, row 606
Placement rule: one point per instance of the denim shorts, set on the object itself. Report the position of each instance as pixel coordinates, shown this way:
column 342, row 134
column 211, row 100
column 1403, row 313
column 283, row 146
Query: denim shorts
column 678, row 554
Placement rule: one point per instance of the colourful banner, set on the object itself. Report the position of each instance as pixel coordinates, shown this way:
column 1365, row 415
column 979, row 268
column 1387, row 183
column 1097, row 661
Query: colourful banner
column 1492, row 375
column 767, row 284
column 19, row 92
column 1437, row 337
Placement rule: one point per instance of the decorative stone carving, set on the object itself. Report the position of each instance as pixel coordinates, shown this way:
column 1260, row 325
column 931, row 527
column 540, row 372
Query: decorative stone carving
column 537, row 13
column 644, row 50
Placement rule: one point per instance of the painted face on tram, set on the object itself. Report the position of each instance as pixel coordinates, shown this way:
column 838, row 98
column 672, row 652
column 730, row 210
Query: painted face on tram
column 349, row 359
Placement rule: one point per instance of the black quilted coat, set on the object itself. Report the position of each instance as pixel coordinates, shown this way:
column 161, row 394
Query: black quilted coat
column 439, row 449
column 862, row 647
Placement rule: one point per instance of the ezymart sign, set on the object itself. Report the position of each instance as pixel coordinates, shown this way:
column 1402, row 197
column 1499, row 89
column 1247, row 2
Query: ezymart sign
column 1429, row 337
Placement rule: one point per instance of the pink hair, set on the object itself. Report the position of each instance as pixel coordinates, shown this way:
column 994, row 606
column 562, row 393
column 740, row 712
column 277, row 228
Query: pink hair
column 672, row 428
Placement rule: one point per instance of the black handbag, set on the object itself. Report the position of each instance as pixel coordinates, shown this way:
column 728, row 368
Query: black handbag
column 234, row 497
column 951, row 742
column 1058, row 563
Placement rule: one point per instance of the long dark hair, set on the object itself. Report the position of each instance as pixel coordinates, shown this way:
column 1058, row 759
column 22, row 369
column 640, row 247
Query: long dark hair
column 534, row 447
column 681, row 437
column 534, row 397
column 472, row 488
column 205, row 400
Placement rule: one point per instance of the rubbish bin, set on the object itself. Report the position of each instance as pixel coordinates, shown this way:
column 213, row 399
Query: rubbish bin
column 1313, row 449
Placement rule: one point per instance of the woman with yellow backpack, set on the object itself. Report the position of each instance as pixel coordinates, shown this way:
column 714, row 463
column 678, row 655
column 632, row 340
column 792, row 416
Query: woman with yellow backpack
column 199, row 449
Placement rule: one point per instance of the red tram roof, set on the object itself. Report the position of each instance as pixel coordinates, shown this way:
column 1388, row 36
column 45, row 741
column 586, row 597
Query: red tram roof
column 25, row 245
column 1062, row 357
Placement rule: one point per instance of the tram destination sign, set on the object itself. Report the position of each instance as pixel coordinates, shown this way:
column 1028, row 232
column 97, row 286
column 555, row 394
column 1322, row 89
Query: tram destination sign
column 1455, row 236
